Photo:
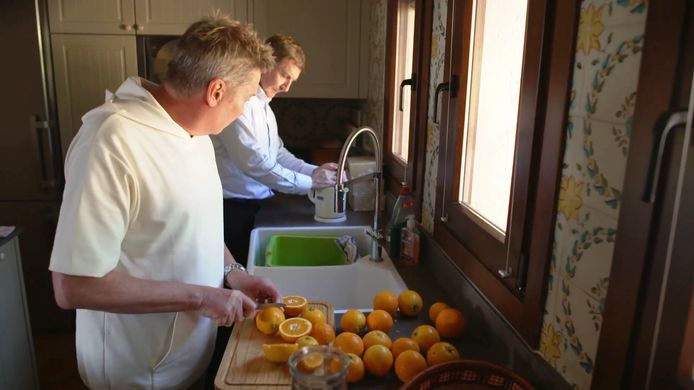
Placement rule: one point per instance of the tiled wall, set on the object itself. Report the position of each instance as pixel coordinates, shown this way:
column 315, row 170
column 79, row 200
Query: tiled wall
column 608, row 55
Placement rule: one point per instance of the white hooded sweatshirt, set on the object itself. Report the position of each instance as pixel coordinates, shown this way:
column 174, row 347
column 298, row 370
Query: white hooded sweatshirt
column 142, row 197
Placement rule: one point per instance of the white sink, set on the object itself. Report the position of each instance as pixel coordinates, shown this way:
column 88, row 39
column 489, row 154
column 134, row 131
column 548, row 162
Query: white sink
column 350, row 286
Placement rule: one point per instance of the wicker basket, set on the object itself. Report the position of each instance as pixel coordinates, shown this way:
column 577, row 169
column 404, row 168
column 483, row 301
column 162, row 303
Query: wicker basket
column 472, row 374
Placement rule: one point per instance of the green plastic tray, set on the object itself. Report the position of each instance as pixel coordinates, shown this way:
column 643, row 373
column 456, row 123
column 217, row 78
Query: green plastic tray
column 303, row 251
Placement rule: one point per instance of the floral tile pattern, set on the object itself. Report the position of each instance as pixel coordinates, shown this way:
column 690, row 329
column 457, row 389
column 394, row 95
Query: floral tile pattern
column 373, row 112
column 608, row 55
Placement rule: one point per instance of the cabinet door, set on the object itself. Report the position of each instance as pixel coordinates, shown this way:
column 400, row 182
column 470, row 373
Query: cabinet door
column 172, row 17
column 85, row 66
column 17, row 366
column 92, row 16
column 330, row 33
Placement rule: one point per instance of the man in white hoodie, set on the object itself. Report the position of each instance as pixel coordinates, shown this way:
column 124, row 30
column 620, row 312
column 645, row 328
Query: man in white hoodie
column 139, row 248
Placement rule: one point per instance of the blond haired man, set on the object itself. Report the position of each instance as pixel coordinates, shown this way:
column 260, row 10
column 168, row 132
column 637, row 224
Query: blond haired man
column 251, row 158
column 139, row 248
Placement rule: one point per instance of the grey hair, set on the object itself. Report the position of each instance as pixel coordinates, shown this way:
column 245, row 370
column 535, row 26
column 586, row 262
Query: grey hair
column 216, row 48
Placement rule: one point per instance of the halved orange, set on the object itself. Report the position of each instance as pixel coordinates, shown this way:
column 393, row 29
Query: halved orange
column 293, row 328
column 294, row 305
column 311, row 362
column 279, row 353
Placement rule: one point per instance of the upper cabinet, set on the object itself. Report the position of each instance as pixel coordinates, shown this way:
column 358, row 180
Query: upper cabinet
column 334, row 36
column 130, row 17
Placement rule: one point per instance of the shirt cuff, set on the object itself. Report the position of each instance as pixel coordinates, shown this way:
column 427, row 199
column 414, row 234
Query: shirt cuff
column 304, row 183
column 307, row 169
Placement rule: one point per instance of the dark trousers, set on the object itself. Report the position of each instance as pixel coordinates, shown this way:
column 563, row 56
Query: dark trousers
column 239, row 218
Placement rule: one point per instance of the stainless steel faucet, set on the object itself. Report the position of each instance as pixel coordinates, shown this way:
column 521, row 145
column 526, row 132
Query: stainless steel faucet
column 341, row 192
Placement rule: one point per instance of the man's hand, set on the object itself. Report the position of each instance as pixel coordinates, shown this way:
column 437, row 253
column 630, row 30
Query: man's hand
column 324, row 176
column 256, row 288
column 225, row 306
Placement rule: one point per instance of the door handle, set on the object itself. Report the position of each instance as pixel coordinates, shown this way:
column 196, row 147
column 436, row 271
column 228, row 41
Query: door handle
column 47, row 161
column 412, row 82
column 675, row 120
column 452, row 88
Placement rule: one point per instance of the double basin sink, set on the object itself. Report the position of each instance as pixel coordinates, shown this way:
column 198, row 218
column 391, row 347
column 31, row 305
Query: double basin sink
column 347, row 286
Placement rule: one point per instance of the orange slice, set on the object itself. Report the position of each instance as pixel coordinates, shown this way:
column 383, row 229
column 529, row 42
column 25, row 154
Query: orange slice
column 293, row 328
column 279, row 353
column 294, row 305
column 311, row 362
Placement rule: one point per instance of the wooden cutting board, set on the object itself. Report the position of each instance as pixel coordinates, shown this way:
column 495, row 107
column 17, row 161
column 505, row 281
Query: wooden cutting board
column 243, row 364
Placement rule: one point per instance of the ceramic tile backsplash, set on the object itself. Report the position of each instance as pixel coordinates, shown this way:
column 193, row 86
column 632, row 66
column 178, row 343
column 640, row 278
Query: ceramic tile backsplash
column 606, row 68
column 373, row 109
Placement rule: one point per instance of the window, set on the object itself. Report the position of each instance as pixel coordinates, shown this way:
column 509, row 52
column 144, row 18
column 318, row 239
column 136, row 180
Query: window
column 502, row 126
column 407, row 77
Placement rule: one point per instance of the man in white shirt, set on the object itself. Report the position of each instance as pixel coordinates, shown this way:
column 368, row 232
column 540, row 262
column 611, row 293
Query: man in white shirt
column 139, row 248
column 251, row 158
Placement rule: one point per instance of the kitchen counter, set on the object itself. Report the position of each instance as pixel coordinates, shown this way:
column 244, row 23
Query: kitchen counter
column 488, row 336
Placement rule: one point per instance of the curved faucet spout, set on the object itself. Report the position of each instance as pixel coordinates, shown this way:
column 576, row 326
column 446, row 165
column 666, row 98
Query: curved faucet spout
column 340, row 192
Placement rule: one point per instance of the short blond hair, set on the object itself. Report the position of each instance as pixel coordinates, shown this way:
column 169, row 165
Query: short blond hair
column 284, row 46
column 216, row 48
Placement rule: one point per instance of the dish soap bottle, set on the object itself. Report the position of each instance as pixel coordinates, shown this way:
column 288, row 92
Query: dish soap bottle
column 409, row 242
column 404, row 207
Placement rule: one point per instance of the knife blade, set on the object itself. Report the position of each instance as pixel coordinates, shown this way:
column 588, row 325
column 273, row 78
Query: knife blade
column 271, row 304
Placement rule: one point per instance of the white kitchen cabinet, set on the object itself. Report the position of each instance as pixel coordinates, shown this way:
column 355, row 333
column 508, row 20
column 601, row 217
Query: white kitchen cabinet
column 131, row 17
column 17, row 364
column 333, row 34
column 84, row 67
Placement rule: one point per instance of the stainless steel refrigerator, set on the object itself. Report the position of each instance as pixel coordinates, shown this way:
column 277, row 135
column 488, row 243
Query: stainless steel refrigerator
column 30, row 156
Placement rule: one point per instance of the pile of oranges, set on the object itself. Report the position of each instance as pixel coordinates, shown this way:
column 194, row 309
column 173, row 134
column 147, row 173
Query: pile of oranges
column 364, row 338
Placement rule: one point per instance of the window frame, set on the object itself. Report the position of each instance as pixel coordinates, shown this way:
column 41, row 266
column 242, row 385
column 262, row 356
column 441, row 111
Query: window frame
column 542, row 120
column 394, row 169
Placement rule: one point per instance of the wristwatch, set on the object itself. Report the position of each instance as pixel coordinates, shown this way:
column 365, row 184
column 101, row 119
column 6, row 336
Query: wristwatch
column 231, row 267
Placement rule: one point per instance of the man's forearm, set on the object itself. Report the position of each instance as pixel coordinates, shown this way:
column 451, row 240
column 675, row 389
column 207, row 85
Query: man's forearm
column 120, row 293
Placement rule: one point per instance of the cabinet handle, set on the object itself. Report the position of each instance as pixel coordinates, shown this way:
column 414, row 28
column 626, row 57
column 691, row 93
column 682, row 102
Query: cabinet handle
column 452, row 88
column 412, row 82
column 138, row 27
column 126, row 27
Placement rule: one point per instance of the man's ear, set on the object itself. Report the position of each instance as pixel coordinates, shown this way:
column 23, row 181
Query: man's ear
column 215, row 92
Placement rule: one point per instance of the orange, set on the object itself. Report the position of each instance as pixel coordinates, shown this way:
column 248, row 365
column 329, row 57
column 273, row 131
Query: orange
column 435, row 309
column 378, row 360
column 355, row 371
column 409, row 364
column 403, row 344
column 294, row 305
column 442, row 352
column 310, row 362
column 377, row 337
column 306, row 341
column 386, row 300
column 314, row 315
column 450, row 323
column 379, row 320
column 279, row 353
column 349, row 342
column 410, row 303
column 268, row 320
column 353, row 321
column 293, row 328
column 323, row 333
column 425, row 336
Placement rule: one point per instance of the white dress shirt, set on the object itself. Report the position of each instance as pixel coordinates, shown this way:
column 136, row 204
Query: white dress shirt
column 251, row 158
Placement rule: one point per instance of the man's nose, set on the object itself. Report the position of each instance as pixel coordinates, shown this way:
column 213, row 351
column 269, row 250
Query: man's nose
column 285, row 87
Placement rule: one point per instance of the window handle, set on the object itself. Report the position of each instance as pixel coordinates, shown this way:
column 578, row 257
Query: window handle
column 676, row 119
column 412, row 82
column 452, row 88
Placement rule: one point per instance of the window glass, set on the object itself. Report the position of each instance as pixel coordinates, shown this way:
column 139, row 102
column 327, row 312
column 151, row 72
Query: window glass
column 403, row 71
column 496, row 56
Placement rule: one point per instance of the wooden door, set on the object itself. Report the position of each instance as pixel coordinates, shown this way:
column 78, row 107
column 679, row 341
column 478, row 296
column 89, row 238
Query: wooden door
column 646, row 320
column 92, row 16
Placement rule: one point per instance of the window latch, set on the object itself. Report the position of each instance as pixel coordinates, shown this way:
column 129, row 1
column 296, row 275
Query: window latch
column 412, row 82
column 452, row 88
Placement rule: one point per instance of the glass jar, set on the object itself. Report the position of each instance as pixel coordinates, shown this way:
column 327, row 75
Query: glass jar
column 319, row 367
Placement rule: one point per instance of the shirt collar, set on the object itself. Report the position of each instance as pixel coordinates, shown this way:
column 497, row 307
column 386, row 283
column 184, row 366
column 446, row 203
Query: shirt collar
column 260, row 94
